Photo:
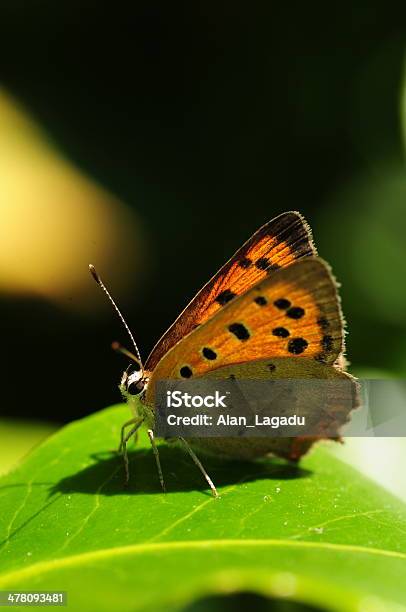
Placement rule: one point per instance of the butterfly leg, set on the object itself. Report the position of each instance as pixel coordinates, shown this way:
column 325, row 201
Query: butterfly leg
column 123, row 444
column 197, row 462
column 123, row 440
column 156, row 454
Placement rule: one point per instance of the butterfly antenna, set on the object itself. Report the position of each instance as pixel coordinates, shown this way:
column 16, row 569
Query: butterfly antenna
column 116, row 346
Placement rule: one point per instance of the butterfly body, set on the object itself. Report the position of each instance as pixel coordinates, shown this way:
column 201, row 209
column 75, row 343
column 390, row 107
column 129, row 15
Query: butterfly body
column 271, row 312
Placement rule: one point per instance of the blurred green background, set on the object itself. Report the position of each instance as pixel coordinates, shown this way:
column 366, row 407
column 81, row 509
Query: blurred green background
column 153, row 138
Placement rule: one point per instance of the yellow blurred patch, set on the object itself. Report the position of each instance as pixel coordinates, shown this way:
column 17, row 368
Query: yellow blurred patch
column 54, row 221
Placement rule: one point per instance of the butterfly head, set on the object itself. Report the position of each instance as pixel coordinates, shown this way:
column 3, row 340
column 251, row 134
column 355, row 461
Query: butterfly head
column 133, row 381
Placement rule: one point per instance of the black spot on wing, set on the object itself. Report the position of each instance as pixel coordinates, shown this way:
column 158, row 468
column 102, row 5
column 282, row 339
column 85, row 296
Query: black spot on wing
column 296, row 346
column 262, row 263
column 245, row 262
column 295, row 312
column 185, row 372
column 282, row 304
column 265, row 264
column 280, row 332
column 208, row 353
column 261, row 300
column 225, row 296
column 239, row 331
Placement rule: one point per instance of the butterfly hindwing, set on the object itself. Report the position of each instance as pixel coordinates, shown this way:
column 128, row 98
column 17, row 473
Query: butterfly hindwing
column 293, row 313
column 326, row 405
column 276, row 245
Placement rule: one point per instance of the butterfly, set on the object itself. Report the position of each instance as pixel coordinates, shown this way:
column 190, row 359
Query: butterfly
column 271, row 312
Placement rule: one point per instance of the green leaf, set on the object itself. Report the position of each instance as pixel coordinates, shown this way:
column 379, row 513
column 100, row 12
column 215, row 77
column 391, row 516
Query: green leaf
column 17, row 438
column 320, row 534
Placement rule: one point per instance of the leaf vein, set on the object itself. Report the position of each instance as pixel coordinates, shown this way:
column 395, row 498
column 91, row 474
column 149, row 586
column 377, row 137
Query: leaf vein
column 101, row 554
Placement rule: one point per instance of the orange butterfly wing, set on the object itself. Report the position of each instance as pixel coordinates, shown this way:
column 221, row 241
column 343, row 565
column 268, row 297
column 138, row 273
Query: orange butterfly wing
column 275, row 245
column 293, row 313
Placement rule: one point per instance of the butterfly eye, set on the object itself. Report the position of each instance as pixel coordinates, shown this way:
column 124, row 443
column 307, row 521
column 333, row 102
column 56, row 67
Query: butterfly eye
column 135, row 387
column 135, row 382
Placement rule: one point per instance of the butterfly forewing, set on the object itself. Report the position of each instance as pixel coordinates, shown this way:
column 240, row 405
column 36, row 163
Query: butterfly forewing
column 275, row 245
column 293, row 313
